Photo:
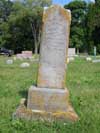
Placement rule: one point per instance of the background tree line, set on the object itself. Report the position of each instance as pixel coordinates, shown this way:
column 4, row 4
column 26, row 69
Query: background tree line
column 21, row 24
column 85, row 26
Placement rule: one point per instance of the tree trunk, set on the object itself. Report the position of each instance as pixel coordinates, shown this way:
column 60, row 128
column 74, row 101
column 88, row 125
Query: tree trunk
column 77, row 51
column 37, row 40
column 36, row 48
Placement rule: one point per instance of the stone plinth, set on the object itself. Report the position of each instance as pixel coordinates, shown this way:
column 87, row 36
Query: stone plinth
column 47, row 99
column 46, row 104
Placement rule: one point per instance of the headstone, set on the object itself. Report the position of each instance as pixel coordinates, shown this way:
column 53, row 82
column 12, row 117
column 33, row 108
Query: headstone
column 24, row 55
column 27, row 54
column 50, row 98
column 24, row 65
column 9, row 62
column 19, row 56
column 96, row 61
column 71, row 52
column 95, row 50
column 53, row 48
column 88, row 59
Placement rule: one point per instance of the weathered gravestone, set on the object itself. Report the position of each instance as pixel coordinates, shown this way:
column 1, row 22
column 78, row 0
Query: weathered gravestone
column 50, row 98
column 71, row 52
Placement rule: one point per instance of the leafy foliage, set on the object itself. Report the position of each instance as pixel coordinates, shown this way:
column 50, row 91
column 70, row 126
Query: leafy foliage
column 5, row 9
column 21, row 24
column 94, row 26
column 78, row 25
column 22, row 30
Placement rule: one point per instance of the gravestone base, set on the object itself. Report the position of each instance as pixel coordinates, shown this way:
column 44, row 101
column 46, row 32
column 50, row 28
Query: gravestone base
column 46, row 104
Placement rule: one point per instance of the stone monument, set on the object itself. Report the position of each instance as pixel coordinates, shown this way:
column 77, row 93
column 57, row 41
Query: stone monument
column 49, row 100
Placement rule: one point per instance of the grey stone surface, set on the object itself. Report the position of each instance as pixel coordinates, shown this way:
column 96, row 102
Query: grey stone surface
column 54, row 47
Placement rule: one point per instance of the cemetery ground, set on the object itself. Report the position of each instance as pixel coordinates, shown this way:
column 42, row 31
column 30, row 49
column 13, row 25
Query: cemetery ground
column 83, row 82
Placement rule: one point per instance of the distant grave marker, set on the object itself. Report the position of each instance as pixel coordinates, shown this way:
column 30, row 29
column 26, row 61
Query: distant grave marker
column 96, row 61
column 95, row 51
column 71, row 52
column 25, row 65
column 24, row 55
column 9, row 62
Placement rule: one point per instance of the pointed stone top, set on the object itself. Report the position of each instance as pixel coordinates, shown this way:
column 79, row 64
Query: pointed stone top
column 47, row 11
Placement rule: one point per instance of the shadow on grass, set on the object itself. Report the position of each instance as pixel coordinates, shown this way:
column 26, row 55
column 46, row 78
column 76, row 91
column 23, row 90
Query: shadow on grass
column 23, row 93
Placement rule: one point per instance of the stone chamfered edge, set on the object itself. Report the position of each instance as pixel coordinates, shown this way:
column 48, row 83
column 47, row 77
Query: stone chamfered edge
column 62, row 112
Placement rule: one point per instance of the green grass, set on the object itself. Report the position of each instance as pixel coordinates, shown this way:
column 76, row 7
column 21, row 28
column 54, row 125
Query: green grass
column 83, row 82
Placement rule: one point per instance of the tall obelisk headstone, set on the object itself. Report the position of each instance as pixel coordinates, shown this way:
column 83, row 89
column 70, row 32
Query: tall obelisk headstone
column 54, row 47
column 50, row 94
column 50, row 98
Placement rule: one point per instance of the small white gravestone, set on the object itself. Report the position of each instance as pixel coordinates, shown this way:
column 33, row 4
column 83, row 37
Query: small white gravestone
column 9, row 62
column 71, row 52
column 96, row 61
column 88, row 59
column 26, row 54
column 24, row 65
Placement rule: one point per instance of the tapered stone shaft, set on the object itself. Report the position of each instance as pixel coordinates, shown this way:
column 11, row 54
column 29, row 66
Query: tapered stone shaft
column 54, row 47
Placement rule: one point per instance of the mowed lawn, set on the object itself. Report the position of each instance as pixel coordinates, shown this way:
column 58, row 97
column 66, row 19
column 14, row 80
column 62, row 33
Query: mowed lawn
column 83, row 82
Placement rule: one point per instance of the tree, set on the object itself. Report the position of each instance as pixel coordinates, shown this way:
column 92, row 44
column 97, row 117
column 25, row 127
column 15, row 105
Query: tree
column 30, row 17
column 78, row 25
column 94, row 26
column 5, row 10
column 23, row 28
